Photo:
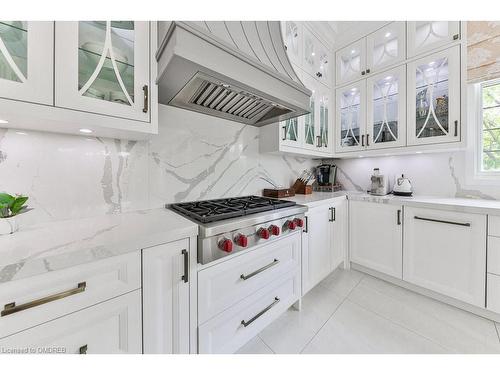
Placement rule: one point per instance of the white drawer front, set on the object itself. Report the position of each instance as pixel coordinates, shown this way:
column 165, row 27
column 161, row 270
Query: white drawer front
column 226, row 332
column 494, row 225
column 493, row 293
column 104, row 279
column 110, row 327
column 494, row 255
column 224, row 284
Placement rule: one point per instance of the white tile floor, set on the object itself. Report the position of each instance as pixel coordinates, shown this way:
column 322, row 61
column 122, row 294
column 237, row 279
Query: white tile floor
column 350, row 312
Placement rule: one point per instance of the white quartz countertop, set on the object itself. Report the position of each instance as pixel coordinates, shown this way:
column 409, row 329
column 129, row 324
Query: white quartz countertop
column 56, row 245
column 317, row 198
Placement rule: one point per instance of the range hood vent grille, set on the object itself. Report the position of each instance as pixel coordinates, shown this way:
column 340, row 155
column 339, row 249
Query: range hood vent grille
column 207, row 95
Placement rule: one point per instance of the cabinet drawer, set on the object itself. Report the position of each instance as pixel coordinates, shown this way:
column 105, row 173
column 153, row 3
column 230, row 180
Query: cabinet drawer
column 227, row 332
column 224, row 284
column 494, row 225
column 54, row 294
column 493, row 293
column 494, row 255
column 110, row 327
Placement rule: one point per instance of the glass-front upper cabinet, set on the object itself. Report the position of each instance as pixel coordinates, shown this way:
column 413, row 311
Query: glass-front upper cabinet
column 434, row 98
column 309, row 120
column 26, row 61
column 425, row 36
column 316, row 58
column 351, row 116
column 325, row 121
column 385, row 47
column 386, row 109
column 292, row 37
column 104, row 67
column 351, row 62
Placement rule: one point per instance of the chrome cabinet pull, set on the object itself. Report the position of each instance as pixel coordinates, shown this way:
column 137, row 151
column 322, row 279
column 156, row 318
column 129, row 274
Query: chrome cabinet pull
column 306, row 227
column 362, row 141
column 334, row 214
column 273, row 263
column 146, row 98
column 456, row 36
column 284, row 133
column 246, row 324
column 399, row 217
column 442, row 221
column 11, row 308
column 318, row 141
column 185, row 277
column 83, row 349
column 367, row 140
column 456, row 128
column 330, row 218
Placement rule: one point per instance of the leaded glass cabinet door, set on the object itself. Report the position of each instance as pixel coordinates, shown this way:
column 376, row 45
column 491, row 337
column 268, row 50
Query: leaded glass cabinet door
column 311, row 56
column 103, row 67
column 292, row 37
column 424, row 36
column 386, row 47
column 386, row 109
column 351, row 62
column 351, row 117
column 309, row 121
column 26, row 61
column 434, row 98
column 325, row 130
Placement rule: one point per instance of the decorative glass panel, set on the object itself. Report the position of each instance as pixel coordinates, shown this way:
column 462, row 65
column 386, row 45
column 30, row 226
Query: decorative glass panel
column 491, row 127
column 385, row 109
column 430, row 32
column 385, row 49
column 323, row 121
column 323, row 65
column 350, row 122
column 432, row 99
column 350, row 63
column 309, row 51
column 291, row 129
column 106, row 60
column 14, row 50
column 309, row 121
column 292, row 38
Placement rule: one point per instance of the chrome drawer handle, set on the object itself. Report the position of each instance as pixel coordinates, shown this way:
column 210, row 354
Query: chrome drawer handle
column 442, row 221
column 246, row 324
column 11, row 308
column 273, row 263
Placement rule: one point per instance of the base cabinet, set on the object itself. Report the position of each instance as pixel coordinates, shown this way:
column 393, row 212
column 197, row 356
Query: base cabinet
column 445, row 251
column 323, row 242
column 165, row 298
column 376, row 236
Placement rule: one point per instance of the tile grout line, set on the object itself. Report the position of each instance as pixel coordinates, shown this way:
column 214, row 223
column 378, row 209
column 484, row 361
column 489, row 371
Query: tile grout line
column 333, row 313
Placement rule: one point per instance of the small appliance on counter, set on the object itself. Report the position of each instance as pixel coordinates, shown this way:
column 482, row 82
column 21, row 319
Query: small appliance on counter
column 326, row 178
column 379, row 183
column 402, row 187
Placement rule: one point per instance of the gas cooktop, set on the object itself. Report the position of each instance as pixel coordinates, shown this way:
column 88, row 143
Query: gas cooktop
column 221, row 209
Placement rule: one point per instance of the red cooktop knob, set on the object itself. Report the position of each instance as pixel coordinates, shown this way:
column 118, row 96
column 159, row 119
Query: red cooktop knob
column 226, row 245
column 263, row 233
column 275, row 230
column 242, row 240
column 299, row 222
column 291, row 224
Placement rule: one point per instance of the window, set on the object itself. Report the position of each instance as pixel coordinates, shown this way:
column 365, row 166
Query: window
column 489, row 145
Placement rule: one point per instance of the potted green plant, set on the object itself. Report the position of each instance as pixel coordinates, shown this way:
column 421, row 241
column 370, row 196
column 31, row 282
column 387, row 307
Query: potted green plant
column 10, row 206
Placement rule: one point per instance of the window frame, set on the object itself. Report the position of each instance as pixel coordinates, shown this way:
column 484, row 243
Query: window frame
column 478, row 154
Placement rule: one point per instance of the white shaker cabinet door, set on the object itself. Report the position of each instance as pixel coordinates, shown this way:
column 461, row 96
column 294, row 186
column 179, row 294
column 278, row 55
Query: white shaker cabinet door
column 376, row 237
column 165, row 296
column 424, row 36
column 27, row 61
column 445, row 251
column 339, row 233
column 103, row 67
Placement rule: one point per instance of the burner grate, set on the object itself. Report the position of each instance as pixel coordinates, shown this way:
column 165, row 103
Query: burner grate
column 222, row 209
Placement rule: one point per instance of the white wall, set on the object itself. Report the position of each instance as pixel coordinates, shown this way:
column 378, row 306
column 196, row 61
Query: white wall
column 194, row 157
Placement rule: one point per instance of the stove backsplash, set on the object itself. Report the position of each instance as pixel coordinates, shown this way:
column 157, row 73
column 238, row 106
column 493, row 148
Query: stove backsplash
column 194, row 157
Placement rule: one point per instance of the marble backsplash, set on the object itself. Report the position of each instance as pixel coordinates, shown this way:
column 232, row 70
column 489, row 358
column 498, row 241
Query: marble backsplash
column 194, row 157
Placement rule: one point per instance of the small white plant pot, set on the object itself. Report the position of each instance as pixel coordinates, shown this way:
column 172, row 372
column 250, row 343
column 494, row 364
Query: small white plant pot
column 8, row 225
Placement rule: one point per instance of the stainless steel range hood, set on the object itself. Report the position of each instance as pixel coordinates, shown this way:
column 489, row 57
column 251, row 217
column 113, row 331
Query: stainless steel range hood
column 234, row 70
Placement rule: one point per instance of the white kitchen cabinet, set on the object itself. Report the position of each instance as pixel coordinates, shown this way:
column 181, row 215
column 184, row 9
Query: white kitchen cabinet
column 386, row 109
column 351, row 62
column 424, row 36
column 323, row 242
column 350, row 121
column 316, row 58
column 376, row 236
column 110, row 327
column 165, row 298
column 27, row 61
column 292, row 32
column 103, row 67
column 445, row 251
column 434, row 98
column 386, row 47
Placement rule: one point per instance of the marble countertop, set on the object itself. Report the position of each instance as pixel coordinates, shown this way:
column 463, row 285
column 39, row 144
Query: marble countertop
column 316, row 198
column 56, row 245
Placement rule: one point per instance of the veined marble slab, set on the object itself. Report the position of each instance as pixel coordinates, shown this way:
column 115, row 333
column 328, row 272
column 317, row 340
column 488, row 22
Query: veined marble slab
column 61, row 244
column 317, row 198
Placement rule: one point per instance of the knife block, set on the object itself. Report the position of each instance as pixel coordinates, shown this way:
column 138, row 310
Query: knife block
column 301, row 188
